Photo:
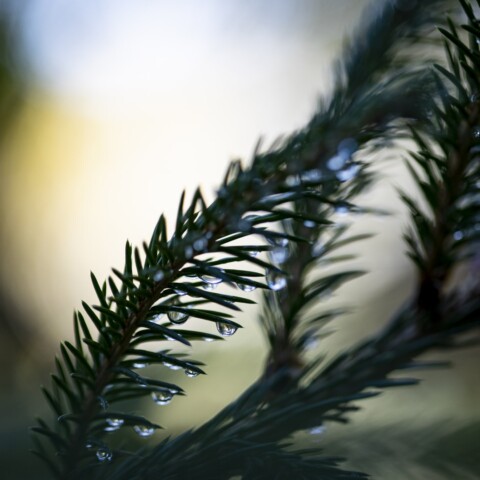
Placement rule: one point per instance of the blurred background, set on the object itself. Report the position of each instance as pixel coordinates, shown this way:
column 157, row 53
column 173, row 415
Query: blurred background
column 107, row 111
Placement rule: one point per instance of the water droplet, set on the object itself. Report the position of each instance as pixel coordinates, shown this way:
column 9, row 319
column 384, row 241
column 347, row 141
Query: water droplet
column 171, row 366
column 179, row 292
column 208, row 339
column 348, row 173
column 458, row 235
column 103, row 402
column 104, row 454
column 188, row 252
column 139, row 365
column 341, row 208
column 113, row 424
column 292, row 181
column 200, row 244
column 276, row 280
column 278, row 241
column 159, row 276
column 210, row 286
column 317, row 430
column 191, row 373
column 163, row 397
column 177, row 317
column 253, row 253
column 226, row 329
column 318, row 249
column 309, row 224
column 311, row 176
column 336, row 162
column 210, row 279
column 157, row 318
column 476, row 132
column 278, row 254
column 347, row 147
column 246, row 288
column 144, row 430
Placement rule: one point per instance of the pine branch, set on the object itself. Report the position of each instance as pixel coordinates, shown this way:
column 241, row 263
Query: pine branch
column 299, row 183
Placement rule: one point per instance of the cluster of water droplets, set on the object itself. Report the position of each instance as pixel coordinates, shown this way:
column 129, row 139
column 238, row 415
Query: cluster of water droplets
column 341, row 164
column 278, row 254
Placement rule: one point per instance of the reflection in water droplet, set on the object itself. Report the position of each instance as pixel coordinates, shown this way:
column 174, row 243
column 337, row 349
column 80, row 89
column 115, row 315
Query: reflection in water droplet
column 276, row 280
column 144, row 430
column 104, row 454
column 278, row 254
column 191, row 373
column 163, row 397
column 245, row 287
column 177, row 317
column 226, row 329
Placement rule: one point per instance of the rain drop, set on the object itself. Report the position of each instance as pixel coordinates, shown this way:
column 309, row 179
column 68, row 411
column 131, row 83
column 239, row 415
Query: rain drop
column 177, row 317
column 253, row 253
column 245, row 287
column 200, row 244
column 191, row 373
column 139, row 365
column 341, row 208
column 104, row 454
column 292, row 181
column 143, row 430
column 336, row 162
column 276, row 280
column 309, row 224
column 318, row 249
column 103, row 402
column 317, row 430
column 278, row 254
column 171, row 366
column 348, row 173
column 163, row 397
column 211, row 279
column 210, row 286
column 113, row 424
column 476, row 132
column 225, row 329
column 312, row 176
column 159, row 276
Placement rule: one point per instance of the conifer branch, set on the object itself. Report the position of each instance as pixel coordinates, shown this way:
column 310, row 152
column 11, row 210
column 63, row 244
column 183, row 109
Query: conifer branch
column 298, row 183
